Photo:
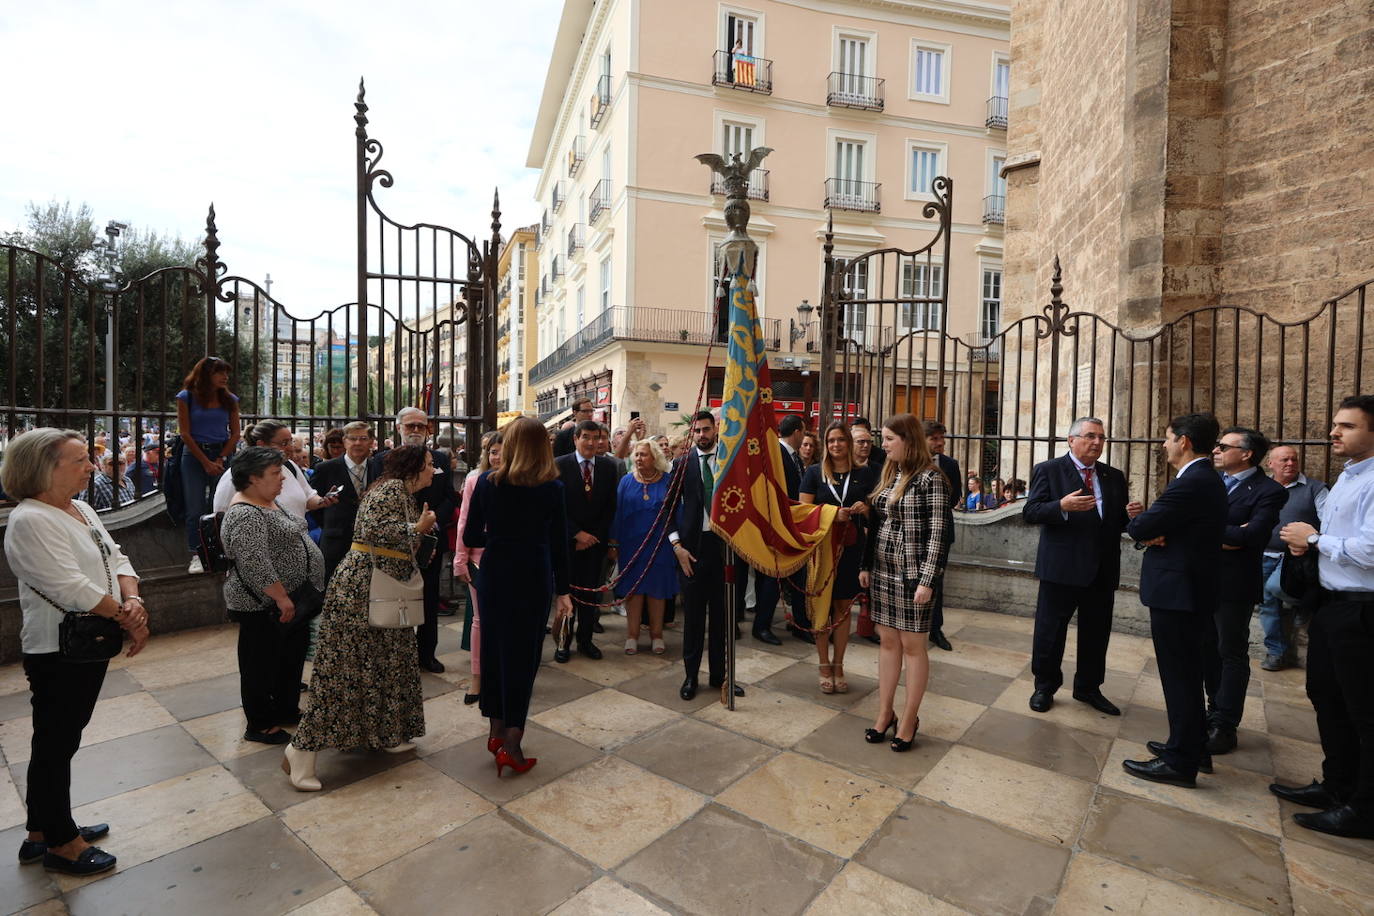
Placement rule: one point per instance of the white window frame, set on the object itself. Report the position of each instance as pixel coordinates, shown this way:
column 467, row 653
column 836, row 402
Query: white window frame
column 870, row 141
column 989, row 175
column 947, row 52
column 756, row 124
column 724, row 11
column 983, row 267
column 837, row 33
column 941, row 151
column 999, row 57
column 903, row 293
column 607, row 280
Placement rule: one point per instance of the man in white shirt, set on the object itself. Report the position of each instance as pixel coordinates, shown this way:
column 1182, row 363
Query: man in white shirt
column 351, row 473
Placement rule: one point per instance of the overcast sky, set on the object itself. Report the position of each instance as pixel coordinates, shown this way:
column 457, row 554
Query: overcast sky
column 148, row 111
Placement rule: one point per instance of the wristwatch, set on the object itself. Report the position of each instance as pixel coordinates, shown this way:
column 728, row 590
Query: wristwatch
column 1313, row 538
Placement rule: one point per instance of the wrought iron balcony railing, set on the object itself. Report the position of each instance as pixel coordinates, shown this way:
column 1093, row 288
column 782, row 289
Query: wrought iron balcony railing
column 577, row 153
column 601, row 100
column 741, row 71
column 560, row 195
column 576, row 240
column 599, row 201
column 758, row 184
column 848, row 194
column 995, row 209
column 997, row 112
column 557, row 269
column 851, row 90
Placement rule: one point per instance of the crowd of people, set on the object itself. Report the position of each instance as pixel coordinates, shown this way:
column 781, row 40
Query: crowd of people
column 549, row 532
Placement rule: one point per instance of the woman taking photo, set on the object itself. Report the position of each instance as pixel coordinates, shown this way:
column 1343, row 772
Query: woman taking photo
column 66, row 563
column 467, row 563
column 272, row 557
column 296, row 496
column 366, row 679
column 836, row 481
column 648, row 572
column 904, row 556
column 517, row 515
column 208, row 421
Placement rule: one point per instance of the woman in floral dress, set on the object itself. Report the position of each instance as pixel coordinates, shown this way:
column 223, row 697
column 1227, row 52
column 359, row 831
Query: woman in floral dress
column 365, row 688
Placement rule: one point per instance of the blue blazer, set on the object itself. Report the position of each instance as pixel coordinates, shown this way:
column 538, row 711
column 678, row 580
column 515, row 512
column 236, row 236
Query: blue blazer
column 1191, row 515
column 1252, row 511
column 1085, row 547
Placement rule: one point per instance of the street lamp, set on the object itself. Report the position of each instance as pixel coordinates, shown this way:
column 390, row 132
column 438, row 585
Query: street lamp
column 802, row 322
column 109, row 283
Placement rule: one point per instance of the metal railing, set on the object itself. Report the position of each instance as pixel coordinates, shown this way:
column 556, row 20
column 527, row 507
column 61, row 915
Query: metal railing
column 741, row 71
column 576, row 241
column 995, row 209
column 853, row 90
column 560, row 195
column 577, row 153
column 649, row 325
column 503, row 293
column 758, row 184
column 997, row 113
column 556, row 270
column 601, row 100
column 599, row 201
column 848, row 194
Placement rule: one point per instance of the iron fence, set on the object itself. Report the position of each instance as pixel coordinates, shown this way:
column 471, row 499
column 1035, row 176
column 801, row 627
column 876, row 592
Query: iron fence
column 742, row 71
column 853, row 90
column 849, row 194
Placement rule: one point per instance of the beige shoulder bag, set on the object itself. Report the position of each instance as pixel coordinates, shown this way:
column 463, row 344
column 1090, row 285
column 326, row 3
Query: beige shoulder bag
column 391, row 603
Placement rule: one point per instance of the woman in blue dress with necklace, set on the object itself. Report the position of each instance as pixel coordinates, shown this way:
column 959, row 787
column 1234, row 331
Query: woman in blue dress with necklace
column 648, row 572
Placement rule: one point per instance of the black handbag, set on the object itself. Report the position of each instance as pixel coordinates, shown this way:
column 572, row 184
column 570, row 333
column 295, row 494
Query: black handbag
column 87, row 637
column 1298, row 577
column 307, row 599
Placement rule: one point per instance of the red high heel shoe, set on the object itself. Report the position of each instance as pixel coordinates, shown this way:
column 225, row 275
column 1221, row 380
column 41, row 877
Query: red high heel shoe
column 494, row 745
column 504, row 759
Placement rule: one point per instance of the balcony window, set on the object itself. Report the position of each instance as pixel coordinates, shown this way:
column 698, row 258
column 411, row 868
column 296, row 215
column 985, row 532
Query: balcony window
column 560, row 195
column 557, row 270
column 995, row 209
column 997, row 113
column 922, row 281
column 601, row 100
column 758, row 184
column 600, row 200
column 742, row 71
column 576, row 239
column 852, row 90
column 577, row 153
column 992, row 302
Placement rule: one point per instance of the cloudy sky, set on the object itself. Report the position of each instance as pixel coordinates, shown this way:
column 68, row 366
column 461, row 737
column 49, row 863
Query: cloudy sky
column 148, row 111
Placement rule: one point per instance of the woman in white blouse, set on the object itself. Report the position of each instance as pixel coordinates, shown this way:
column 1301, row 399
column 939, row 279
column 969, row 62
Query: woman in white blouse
column 296, row 497
column 65, row 562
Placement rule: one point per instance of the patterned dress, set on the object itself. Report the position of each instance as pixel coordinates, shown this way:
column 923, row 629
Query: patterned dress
column 908, row 549
column 365, row 689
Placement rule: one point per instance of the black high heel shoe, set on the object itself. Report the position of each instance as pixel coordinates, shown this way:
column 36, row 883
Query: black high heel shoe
column 874, row 736
column 898, row 744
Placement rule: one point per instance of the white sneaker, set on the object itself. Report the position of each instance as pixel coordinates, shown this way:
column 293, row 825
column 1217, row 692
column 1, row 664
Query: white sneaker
column 195, row 566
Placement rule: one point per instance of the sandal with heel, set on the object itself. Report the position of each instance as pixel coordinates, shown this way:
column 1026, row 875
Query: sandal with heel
column 827, row 678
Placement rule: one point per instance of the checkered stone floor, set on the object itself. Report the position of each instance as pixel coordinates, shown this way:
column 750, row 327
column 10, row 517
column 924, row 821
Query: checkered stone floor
column 642, row 803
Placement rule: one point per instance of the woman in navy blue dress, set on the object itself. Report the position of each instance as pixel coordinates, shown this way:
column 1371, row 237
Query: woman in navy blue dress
column 517, row 516
column 648, row 573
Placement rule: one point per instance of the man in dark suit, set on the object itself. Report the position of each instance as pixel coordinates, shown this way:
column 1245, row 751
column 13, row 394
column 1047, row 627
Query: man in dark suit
column 563, row 442
column 351, row 473
column 1080, row 503
column 700, row 554
column 935, row 441
column 412, row 428
column 1253, row 505
column 589, row 487
column 1181, row 534
column 767, row 589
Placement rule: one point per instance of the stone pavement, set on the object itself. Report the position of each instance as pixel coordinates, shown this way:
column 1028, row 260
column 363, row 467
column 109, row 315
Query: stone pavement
column 644, row 804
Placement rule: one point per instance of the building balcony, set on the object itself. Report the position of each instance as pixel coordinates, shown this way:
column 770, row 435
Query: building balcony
column 650, row 325
column 758, row 184
column 848, row 194
column 503, row 293
column 576, row 239
column 997, row 113
column 557, row 269
column 850, row 90
column 994, row 209
column 601, row 100
column 740, row 71
column 577, row 154
column 560, row 195
column 599, row 201
column 502, row 405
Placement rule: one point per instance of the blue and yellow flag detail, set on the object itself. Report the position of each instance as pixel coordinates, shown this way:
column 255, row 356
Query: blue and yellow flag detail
column 750, row 508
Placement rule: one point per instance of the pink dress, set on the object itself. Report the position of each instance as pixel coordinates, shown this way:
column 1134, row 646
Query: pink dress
column 462, row 557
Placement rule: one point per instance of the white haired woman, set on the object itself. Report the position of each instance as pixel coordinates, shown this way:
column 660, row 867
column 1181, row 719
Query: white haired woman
column 66, row 564
column 648, row 572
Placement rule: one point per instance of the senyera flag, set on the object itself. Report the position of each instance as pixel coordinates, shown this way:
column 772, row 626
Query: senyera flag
column 750, row 508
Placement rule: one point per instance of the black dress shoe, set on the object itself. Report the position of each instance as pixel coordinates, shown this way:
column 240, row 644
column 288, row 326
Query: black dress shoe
column 1342, row 821
column 1157, row 748
column 92, row 861
column 738, row 691
column 768, row 637
column 597, row 627
column 1273, row 663
column 1315, row 795
column 940, row 641
column 31, row 851
column 590, row 651
column 276, row 737
column 1097, row 701
column 432, row 665
column 562, row 654
column 802, row 634
column 875, row 639
column 688, row 690
column 1221, row 739
column 445, row 610
column 1157, row 770
column 1041, row 700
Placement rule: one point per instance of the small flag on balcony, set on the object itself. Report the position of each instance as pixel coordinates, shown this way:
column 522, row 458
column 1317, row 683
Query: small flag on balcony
column 750, row 508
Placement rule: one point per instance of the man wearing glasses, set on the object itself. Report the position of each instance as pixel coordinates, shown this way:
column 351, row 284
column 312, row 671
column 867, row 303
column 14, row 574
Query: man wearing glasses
column 1079, row 502
column 351, row 474
column 111, row 478
column 1253, row 502
column 563, row 443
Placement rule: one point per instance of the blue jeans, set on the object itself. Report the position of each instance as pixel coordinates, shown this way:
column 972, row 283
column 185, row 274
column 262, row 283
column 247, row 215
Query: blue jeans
column 197, row 486
column 1271, row 612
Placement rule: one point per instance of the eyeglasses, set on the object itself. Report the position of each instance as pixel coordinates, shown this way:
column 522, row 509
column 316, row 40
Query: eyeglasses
column 357, row 438
column 1092, row 437
column 99, row 541
column 414, row 426
column 1222, row 446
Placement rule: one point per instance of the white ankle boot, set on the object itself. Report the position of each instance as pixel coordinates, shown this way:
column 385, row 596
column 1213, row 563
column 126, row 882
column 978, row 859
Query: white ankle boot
column 299, row 767
column 400, row 748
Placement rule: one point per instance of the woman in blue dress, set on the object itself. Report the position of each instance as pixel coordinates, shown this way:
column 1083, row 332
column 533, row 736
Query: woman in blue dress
column 648, row 572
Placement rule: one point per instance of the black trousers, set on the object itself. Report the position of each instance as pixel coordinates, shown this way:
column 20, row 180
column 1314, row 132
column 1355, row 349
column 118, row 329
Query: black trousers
column 1054, row 608
column 271, row 658
column 334, row 548
column 1226, row 671
column 703, row 604
column 767, row 591
column 64, row 695
column 1340, row 684
column 586, row 570
column 427, row 633
column 1180, row 642
column 937, row 616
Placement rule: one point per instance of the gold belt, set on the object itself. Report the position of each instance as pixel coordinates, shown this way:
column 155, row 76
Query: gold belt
column 380, row 551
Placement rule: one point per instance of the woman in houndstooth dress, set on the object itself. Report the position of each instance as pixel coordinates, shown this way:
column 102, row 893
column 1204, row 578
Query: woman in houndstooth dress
column 904, row 557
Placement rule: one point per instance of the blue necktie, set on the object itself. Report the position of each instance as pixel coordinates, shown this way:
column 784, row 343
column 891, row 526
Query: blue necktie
column 1230, row 482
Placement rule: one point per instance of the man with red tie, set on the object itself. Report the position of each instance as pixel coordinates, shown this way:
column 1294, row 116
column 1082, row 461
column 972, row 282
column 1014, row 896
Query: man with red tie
column 1079, row 502
column 589, row 486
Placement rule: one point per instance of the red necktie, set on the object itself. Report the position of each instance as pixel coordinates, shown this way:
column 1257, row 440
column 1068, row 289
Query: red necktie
column 1088, row 479
column 587, row 476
